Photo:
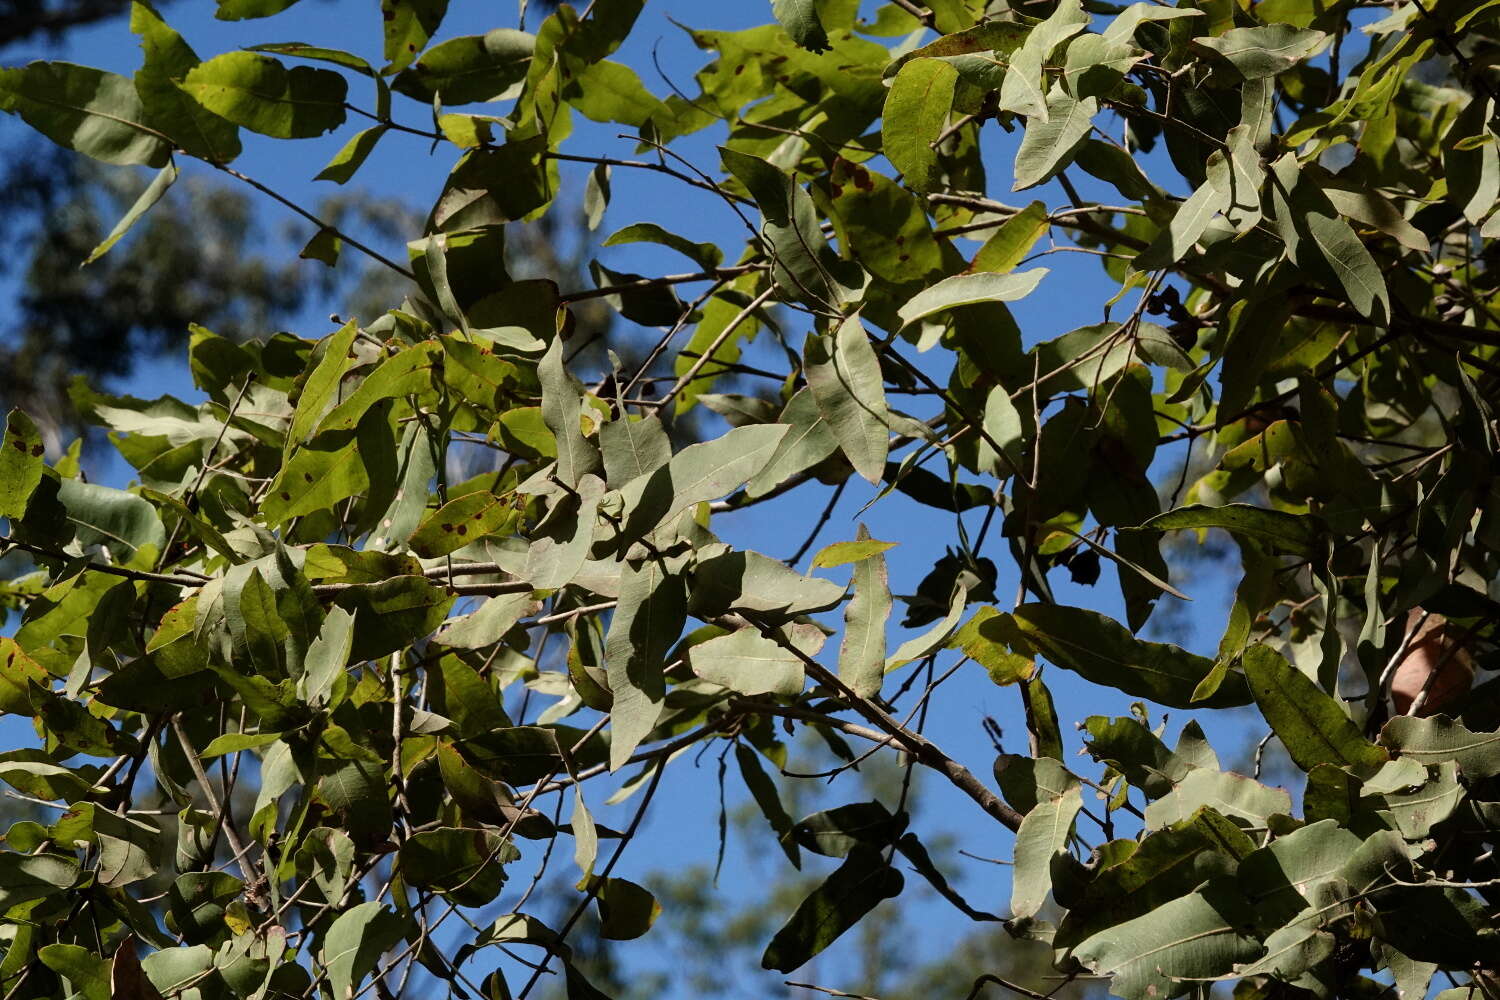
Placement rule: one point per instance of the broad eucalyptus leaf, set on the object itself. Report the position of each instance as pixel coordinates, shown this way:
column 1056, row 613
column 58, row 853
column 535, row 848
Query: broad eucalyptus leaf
column 261, row 94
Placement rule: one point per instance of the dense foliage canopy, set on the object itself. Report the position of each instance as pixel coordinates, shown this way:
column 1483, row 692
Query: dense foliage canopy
column 309, row 600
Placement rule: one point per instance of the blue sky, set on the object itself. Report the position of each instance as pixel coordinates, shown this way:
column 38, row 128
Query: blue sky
column 683, row 822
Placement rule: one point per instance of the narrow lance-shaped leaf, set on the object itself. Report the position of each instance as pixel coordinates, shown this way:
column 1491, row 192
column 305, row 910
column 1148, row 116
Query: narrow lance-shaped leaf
column 649, row 618
column 1309, row 723
column 916, row 113
column 853, row 890
column 862, row 650
column 1049, row 146
column 1294, row 533
column 763, row 790
column 1105, row 652
column 1044, row 833
column 562, row 412
column 322, row 383
column 150, row 196
column 971, row 289
column 844, row 374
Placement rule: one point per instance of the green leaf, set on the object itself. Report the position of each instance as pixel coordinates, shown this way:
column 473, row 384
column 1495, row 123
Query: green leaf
column 862, row 649
column 1162, row 953
column 1436, row 739
column 408, row 25
column 463, row 521
column 607, row 91
column 1044, row 833
column 1168, row 864
column 1105, row 652
column 127, row 848
column 21, row 464
column 1123, row 27
column 1282, row 879
column 808, row 441
column 1013, row 240
column 469, row 68
column 916, row 112
column 329, row 469
column 321, row 387
column 120, row 521
column 167, row 59
column 706, row 255
column 86, row 972
column 854, row 889
column 261, row 94
column 238, row 10
column 1298, row 534
column 1004, row 425
column 562, row 411
column 651, row 613
column 393, row 613
column 763, row 790
column 749, row 663
column 1260, row 52
column 633, row 448
column 354, row 943
column 347, row 161
column 844, row 374
column 982, row 639
column 748, row 581
column 806, row 268
column 1186, row 228
column 327, row 657
column 626, row 910
column 488, row 625
column 24, row 878
column 466, row 866
column 1317, row 237
column 96, row 113
column 934, row 637
column 800, row 19
column 1050, row 144
column 1025, row 78
column 697, row 473
column 835, row 832
column 150, row 196
column 585, row 836
column 1310, row 723
column 971, row 289
column 842, row 553
column 1233, row 795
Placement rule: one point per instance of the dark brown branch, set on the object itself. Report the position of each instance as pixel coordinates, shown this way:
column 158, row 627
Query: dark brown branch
column 918, row 746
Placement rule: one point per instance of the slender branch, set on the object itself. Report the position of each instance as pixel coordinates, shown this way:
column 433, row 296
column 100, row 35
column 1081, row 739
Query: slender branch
column 597, row 882
column 238, row 847
column 356, row 244
column 713, row 348
column 660, row 168
column 919, row 746
column 717, row 274
column 183, row 579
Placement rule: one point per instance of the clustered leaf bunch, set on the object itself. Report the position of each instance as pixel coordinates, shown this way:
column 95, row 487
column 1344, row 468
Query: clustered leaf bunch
column 270, row 679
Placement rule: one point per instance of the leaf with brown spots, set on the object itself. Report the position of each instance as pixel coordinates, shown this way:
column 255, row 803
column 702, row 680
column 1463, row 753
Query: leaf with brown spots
column 461, row 521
